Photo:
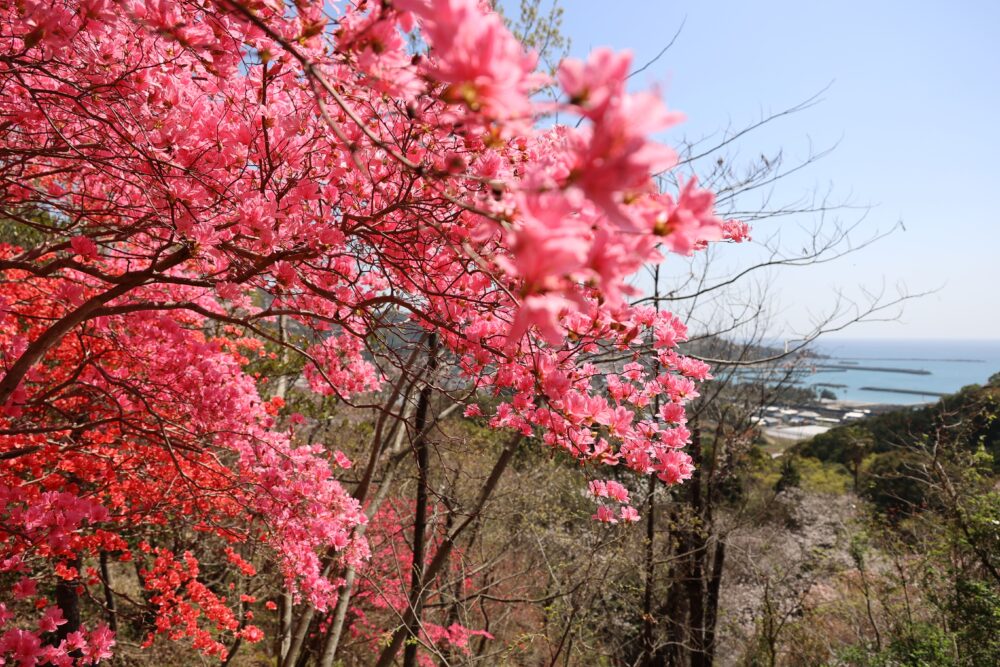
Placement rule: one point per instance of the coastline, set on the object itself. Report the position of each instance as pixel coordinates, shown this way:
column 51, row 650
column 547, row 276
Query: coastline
column 900, row 372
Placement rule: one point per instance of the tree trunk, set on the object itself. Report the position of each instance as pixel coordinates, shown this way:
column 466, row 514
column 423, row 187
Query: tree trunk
column 667, row 652
column 109, row 595
column 712, row 600
column 696, row 548
column 68, row 601
column 421, row 454
column 286, row 605
column 649, row 571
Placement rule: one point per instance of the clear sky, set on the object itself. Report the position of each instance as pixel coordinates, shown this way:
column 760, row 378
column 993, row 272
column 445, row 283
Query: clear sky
column 914, row 104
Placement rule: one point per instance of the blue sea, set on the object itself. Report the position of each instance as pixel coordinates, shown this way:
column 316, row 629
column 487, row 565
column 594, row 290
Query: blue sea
column 946, row 366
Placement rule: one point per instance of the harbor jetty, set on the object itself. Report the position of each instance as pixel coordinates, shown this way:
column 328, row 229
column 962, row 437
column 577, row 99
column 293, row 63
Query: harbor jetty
column 915, row 392
column 879, row 369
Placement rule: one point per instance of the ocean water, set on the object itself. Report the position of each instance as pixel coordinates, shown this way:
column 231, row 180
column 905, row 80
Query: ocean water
column 946, row 366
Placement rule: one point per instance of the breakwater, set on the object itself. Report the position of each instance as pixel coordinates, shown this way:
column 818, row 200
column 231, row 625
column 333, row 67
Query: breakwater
column 915, row 392
column 876, row 369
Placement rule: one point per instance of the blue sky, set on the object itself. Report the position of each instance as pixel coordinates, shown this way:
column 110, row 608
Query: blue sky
column 913, row 104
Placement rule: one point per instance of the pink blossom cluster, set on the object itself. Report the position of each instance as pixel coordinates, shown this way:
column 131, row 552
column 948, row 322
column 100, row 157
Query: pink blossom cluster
column 50, row 519
column 613, row 491
column 25, row 646
column 217, row 167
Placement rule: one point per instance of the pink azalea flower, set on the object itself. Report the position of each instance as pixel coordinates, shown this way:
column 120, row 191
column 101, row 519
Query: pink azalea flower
column 617, row 492
column 75, row 641
column 51, row 619
column 598, row 489
column 689, row 220
column 484, row 65
column 629, row 514
column 341, row 459
column 24, row 646
column 672, row 413
column 592, row 85
column 24, row 588
column 83, row 246
column 735, row 231
column 102, row 640
column 541, row 311
column 605, row 515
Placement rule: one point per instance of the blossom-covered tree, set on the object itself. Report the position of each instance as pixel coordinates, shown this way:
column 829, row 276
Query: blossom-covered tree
column 200, row 176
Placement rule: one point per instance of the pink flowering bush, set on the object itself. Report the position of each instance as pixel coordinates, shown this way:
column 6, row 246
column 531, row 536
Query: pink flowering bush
column 196, row 172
